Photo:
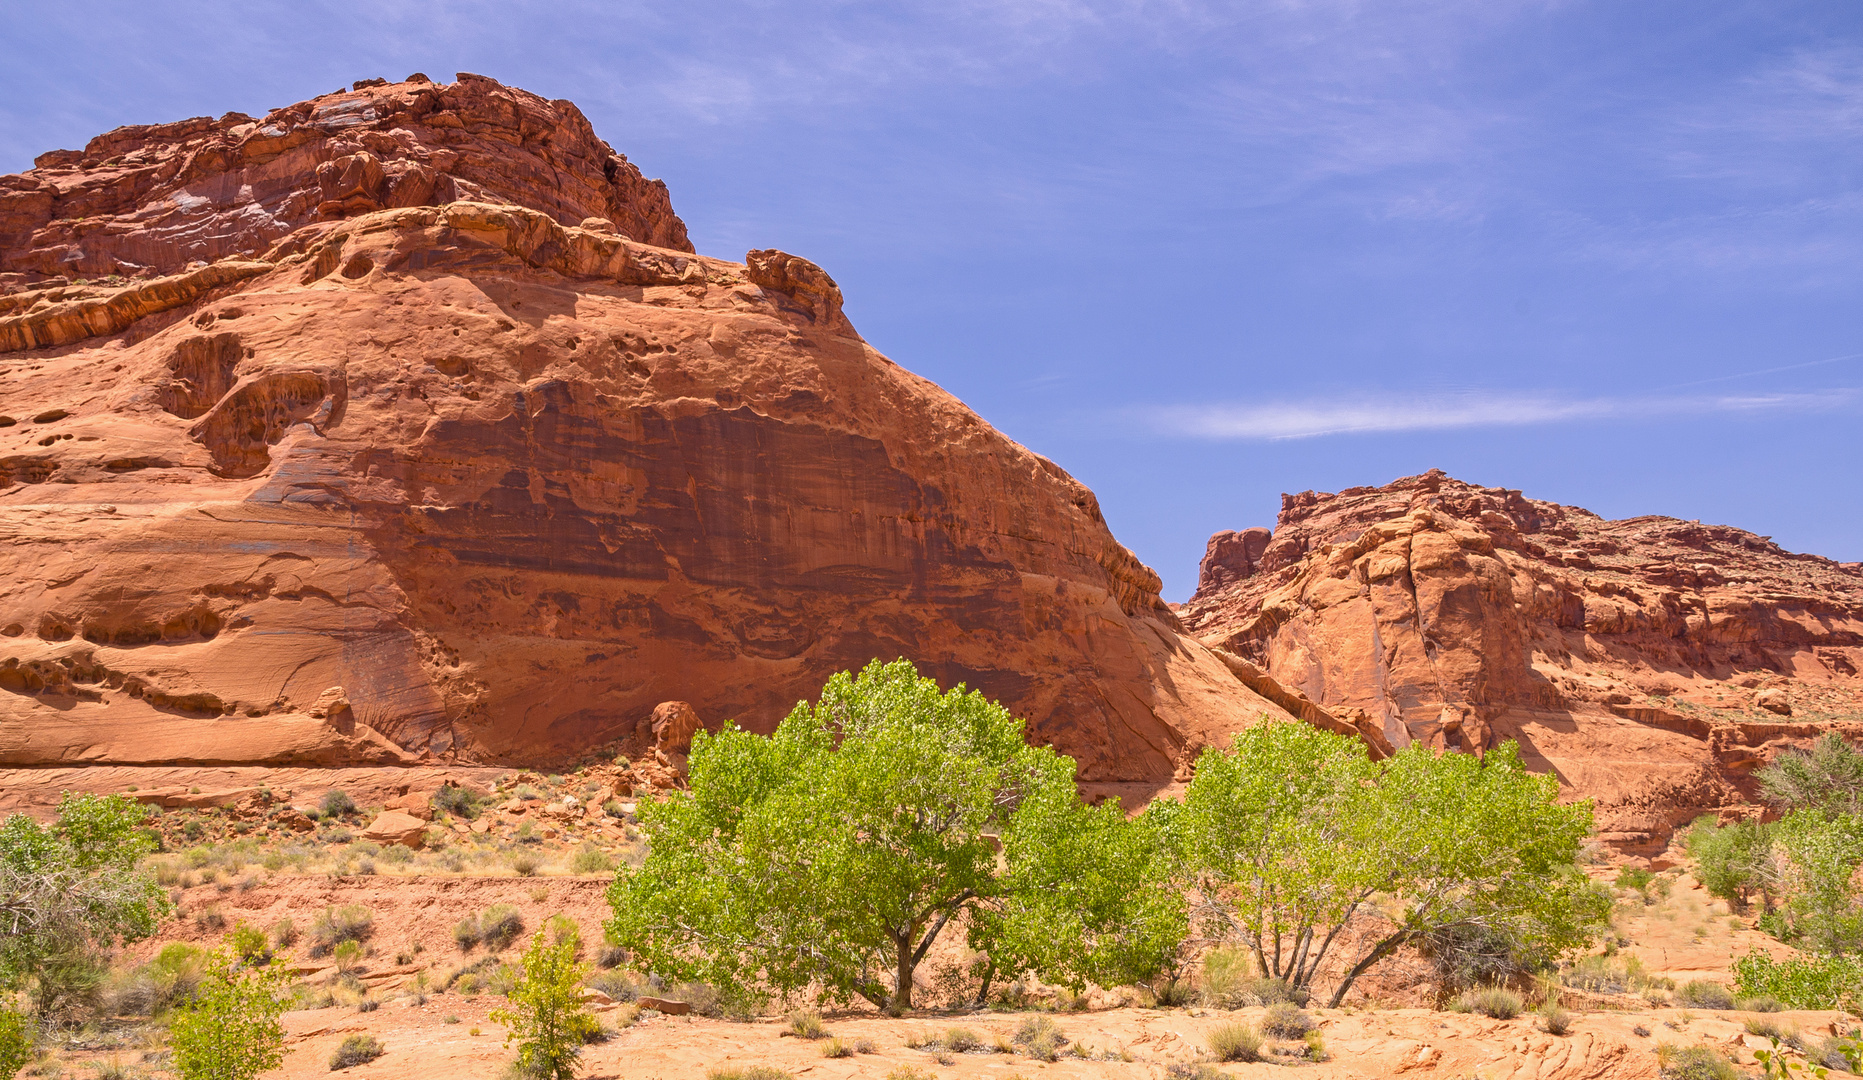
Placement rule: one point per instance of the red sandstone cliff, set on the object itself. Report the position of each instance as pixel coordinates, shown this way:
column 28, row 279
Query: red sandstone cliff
column 466, row 476
column 1650, row 662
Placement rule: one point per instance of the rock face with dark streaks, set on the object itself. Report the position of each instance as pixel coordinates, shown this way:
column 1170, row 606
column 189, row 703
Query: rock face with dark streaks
column 489, row 473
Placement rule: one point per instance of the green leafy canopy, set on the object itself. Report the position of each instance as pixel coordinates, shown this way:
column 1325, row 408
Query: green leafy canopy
column 834, row 852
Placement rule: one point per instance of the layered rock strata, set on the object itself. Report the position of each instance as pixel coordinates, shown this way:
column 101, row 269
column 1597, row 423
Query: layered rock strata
column 1652, row 663
column 477, row 482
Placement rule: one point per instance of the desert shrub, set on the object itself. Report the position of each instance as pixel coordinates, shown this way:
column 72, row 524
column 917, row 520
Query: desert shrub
column 610, row 956
column 1184, row 1070
column 499, row 926
column 249, row 944
column 1768, row 1027
column 466, row 933
column 1555, row 1019
column 961, row 1040
column 1730, row 861
column 284, row 933
column 1839, row 1052
column 398, row 855
column 1316, row 1046
column 1173, row 993
column 335, row 925
column 524, row 863
column 1693, row 1063
column 348, row 954
column 355, row 1050
column 614, row 809
column 230, row 1030
column 1763, row 1003
column 1285, row 1020
column 1225, row 969
column 1631, row 877
column 1470, row 955
column 458, row 801
column 591, row 861
column 527, row 793
column 619, row 985
column 807, row 1024
column 337, row 804
column 835, row 1048
column 771, row 1072
column 1702, row 994
column 1810, row 982
column 562, row 928
column 1234, row 1041
column 546, row 1017
column 15, row 1041
column 1040, row 1038
column 1497, row 1002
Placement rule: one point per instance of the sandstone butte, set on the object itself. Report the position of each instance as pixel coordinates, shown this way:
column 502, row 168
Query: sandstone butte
column 1651, row 663
column 404, row 426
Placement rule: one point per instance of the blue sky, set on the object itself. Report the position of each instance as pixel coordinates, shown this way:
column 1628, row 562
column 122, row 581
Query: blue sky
column 1204, row 253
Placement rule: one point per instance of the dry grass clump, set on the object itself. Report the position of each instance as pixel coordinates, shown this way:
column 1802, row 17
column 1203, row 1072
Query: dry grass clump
column 835, row 1048
column 1234, row 1041
column 1693, row 1063
column 356, row 1050
column 1286, row 1020
column 1040, row 1038
column 1702, row 994
column 1496, row 1002
column 1555, row 1019
column 747, row 1072
column 807, row 1024
column 499, row 926
column 336, row 925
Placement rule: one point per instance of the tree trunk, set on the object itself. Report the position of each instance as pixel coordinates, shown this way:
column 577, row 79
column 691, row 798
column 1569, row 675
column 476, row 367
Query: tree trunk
column 1384, row 948
column 902, row 987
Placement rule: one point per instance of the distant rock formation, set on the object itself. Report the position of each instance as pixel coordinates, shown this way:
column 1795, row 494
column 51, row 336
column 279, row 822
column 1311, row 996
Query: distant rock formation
column 1648, row 661
column 486, row 468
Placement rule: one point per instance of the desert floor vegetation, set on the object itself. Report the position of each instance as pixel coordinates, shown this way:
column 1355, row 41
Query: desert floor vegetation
column 1280, row 915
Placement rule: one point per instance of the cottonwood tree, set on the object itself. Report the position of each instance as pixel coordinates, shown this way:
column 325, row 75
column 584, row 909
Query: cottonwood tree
column 1291, row 835
column 834, row 853
column 230, row 1029
column 69, row 891
column 547, row 1017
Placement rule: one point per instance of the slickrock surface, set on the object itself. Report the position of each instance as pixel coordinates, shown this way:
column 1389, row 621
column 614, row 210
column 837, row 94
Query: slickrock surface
column 488, row 482
column 151, row 199
column 1652, row 663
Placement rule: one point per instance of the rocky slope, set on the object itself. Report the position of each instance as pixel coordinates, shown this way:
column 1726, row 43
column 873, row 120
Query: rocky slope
column 1651, row 662
column 486, row 469
column 151, row 199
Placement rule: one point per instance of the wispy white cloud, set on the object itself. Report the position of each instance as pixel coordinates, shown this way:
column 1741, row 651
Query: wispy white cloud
column 1388, row 413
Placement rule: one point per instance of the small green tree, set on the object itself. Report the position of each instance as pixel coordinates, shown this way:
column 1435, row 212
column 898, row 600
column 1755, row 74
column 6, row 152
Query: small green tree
column 70, row 891
column 833, row 853
column 546, row 1017
column 1734, row 862
column 1292, row 832
column 230, row 1029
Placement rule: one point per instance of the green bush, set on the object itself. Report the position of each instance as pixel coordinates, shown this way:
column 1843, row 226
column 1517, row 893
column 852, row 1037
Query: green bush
column 1497, row 1002
column 249, row 944
column 546, row 1017
column 1703, row 994
column 15, row 1042
column 335, row 925
column 1730, row 861
column 230, row 1030
column 466, row 933
column 807, row 1024
column 1812, row 982
column 524, row 863
column 1225, row 969
column 1555, row 1019
column 1762, row 1003
column 1631, row 877
column 591, row 861
column 499, row 926
column 1693, row 1063
column 337, row 804
column 355, row 1050
column 458, row 801
column 1234, row 1041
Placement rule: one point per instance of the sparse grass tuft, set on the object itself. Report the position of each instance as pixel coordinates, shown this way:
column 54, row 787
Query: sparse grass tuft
column 1555, row 1019
column 1234, row 1041
column 335, row 925
column 807, row 1024
column 750, row 1072
column 499, row 926
column 1496, row 1002
column 835, row 1048
column 1040, row 1038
